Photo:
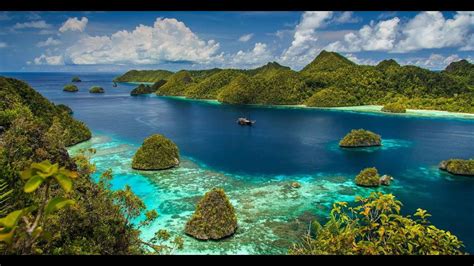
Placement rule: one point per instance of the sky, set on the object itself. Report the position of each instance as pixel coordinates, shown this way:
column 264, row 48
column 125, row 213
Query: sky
column 119, row 41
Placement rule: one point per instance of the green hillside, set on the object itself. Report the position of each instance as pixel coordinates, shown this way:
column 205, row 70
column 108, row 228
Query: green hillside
column 462, row 70
column 331, row 80
column 176, row 84
column 210, row 87
column 18, row 100
column 144, row 76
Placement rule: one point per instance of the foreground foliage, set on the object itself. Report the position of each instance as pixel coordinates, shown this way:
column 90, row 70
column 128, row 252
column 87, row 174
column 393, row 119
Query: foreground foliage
column 374, row 226
column 20, row 101
column 97, row 220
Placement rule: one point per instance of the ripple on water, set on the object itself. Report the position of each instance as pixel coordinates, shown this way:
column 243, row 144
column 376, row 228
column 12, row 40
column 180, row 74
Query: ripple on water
column 271, row 214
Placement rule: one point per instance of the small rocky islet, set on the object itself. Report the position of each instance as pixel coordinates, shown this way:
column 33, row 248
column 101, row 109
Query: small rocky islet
column 96, row 89
column 369, row 177
column 156, row 153
column 70, row 88
column 214, row 217
column 458, row 166
column 359, row 138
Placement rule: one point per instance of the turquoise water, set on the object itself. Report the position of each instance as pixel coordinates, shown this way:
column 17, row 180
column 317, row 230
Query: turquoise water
column 256, row 165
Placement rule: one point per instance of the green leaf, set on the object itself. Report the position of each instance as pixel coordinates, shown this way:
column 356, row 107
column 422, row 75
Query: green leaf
column 56, row 204
column 68, row 173
column 51, row 170
column 27, row 173
column 10, row 221
column 7, row 237
column 64, row 181
column 37, row 232
column 44, row 166
column 33, row 183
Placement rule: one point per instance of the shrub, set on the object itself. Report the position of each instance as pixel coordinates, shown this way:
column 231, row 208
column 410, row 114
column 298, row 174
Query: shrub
column 375, row 227
column 394, row 108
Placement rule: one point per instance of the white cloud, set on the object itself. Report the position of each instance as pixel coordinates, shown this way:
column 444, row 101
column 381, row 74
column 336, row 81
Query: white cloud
column 372, row 37
column 469, row 46
column 74, row 24
column 361, row 61
column 49, row 60
column 434, row 61
column 46, row 32
column 166, row 40
column 258, row 56
column 429, row 30
column 49, row 42
column 38, row 24
column 304, row 48
column 346, row 17
column 386, row 15
column 3, row 45
column 33, row 16
column 4, row 16
column 246, row 37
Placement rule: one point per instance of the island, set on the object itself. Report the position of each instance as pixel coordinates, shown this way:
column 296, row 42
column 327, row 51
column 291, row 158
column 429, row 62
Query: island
column 394, row 108
column 214, row 217
column 360, row 138
column 156, row 153
column 330, row 80
column 458, row 166
column 76, row 79
column 369, row 177
column 96, row 89
column 142, row 89
column 70, row 88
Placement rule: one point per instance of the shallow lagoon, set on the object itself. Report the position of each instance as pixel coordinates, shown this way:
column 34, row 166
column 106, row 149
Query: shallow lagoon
column 256, row 165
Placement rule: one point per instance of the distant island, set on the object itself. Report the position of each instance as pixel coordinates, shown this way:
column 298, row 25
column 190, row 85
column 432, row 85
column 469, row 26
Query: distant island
column 96, row 89
column 330, row 80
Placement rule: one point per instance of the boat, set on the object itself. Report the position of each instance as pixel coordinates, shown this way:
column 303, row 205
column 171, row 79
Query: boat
column 115, row 84
column 245, row 122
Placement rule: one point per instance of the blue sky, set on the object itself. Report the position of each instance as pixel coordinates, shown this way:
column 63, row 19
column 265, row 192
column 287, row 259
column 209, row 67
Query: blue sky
column 118, row 41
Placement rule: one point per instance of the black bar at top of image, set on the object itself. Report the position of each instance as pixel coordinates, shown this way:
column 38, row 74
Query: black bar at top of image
column 236, row 5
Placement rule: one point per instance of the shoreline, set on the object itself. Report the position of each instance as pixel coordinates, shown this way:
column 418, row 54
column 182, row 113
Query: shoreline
column 361, row 109
column 364, row 109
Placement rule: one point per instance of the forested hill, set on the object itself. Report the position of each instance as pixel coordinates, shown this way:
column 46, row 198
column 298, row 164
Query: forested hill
column 330, row 80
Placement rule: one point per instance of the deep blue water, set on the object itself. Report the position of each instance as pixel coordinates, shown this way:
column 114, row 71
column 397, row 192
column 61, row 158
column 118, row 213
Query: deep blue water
column 286, row 141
